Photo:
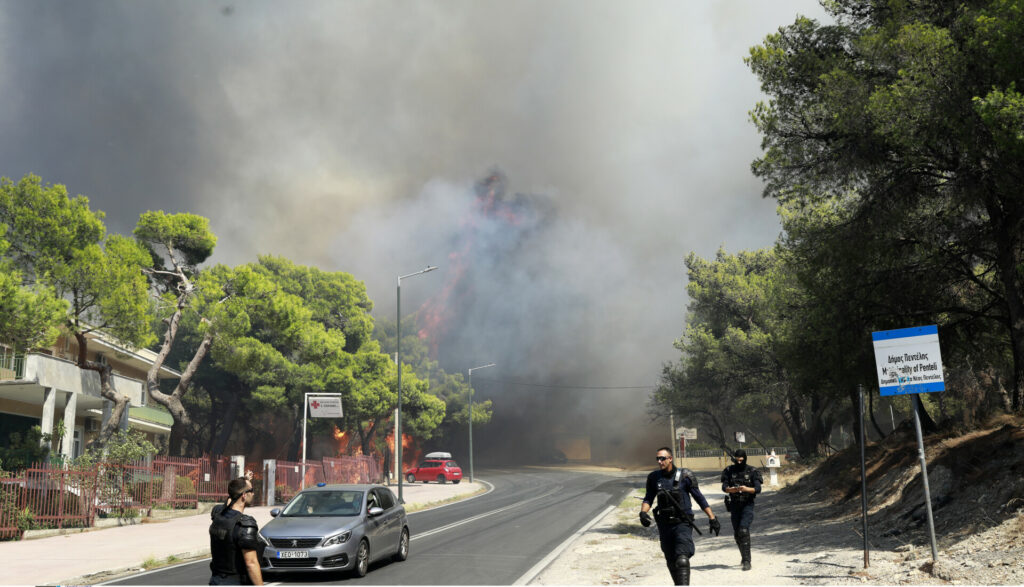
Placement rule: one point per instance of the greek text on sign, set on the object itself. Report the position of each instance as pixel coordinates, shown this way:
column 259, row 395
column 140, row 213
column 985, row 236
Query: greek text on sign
column 908, row 360
column 687, row 433
column 324, row 407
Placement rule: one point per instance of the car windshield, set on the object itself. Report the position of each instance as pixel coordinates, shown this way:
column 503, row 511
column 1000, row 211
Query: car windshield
column 325, row 503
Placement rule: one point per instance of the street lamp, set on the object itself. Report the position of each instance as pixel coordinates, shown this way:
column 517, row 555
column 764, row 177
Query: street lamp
column 398, row 344
column 471, row 417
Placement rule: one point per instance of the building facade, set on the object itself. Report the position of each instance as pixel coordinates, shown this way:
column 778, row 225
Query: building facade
column 45, row 387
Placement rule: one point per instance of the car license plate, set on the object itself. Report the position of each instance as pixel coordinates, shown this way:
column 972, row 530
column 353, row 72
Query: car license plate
column 292, row 554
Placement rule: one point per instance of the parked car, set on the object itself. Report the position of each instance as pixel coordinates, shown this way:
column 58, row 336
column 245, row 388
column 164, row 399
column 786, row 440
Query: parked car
column 436, row 466
column 334, row 528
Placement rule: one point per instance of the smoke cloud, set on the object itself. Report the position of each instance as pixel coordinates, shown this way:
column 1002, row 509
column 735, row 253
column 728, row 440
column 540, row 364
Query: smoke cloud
column 349, row 135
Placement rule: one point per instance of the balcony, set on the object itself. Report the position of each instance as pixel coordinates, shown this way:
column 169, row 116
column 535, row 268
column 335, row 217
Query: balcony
column 12, row 365
column 64, row 375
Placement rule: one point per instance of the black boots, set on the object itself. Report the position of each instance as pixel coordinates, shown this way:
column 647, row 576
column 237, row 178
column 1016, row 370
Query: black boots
column 743, row 541
column 680, row 571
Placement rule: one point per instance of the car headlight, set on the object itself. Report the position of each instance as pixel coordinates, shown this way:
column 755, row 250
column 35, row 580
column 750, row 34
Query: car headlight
column 338, row 538
column 263, row 538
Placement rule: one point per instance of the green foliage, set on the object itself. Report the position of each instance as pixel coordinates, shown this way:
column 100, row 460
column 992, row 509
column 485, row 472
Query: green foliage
column 893, row 141
column 451, row 389
column 187, row 236
column 59, row 245
column 23, row 450
column 123, row 448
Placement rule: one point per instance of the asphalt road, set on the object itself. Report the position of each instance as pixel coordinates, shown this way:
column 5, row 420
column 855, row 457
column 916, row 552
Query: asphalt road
column 493, row 539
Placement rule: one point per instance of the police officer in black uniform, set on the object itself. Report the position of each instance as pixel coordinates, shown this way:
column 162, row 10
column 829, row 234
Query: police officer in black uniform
column 741, row 483
column 673, row 486
column 234, row 539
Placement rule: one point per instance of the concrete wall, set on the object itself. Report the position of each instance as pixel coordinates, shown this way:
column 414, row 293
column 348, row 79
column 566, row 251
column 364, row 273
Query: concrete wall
column 719, row 463
column 66, row 376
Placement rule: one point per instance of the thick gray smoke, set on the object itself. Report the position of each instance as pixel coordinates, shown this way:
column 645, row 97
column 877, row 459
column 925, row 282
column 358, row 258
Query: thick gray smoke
column 349, row 135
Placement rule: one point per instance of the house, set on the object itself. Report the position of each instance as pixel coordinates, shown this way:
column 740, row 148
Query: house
column 45, row 386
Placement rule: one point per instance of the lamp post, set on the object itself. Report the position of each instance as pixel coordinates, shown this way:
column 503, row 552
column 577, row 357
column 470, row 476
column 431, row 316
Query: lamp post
column 398, row 345
column 471, row 417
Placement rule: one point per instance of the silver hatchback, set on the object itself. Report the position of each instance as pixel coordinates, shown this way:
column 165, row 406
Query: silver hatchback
column 334, row 528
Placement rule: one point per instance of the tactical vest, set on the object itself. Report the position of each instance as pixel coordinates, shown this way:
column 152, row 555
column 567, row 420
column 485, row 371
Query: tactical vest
column 744, row 476
column 667, row 510
column 223, row 550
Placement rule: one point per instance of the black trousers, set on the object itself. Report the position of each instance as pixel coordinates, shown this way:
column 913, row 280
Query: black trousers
column 742, row 517
column 676, row 539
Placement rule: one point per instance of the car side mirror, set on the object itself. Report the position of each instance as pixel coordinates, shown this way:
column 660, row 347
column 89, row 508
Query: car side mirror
column 275, row 512
column 374, row 511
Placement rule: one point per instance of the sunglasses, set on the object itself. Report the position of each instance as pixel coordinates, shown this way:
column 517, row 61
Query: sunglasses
column 660, row 459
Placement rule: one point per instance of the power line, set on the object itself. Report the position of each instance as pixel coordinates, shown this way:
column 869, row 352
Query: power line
column 510, row 382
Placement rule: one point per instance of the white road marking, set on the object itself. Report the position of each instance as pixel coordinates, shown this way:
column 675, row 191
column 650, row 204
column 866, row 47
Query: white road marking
column 481, row 516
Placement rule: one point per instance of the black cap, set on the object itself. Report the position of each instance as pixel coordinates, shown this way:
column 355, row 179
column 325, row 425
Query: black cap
column 740, row 454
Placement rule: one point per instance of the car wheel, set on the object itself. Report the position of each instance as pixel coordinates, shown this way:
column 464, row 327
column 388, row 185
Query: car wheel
column 410, row 478
column 456, row 481
column 403, row 546
column 441, row 479
column 362, row 559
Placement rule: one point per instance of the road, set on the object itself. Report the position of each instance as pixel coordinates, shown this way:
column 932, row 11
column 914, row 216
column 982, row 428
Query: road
column 493, row 539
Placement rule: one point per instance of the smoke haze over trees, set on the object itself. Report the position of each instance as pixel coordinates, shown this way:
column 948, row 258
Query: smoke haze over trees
column 350, row 136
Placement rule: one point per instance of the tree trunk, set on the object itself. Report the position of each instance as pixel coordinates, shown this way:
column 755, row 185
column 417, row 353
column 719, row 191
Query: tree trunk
column 367, row 439
column 108, row 392
column 1007, row 227
column 172, row 401
column 928, row 426
column 871, row 412
column 227, row 423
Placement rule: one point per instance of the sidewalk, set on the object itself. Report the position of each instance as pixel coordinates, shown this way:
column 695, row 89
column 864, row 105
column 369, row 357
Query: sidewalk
column 95, row 556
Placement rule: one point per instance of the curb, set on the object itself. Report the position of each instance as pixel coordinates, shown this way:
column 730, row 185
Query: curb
column 185, row 558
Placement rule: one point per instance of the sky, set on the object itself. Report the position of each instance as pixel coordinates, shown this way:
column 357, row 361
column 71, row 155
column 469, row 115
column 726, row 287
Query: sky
column 350, row 135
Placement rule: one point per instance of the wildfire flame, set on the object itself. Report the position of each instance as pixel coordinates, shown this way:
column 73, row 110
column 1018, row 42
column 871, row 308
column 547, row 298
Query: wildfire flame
column 437, row 314
column 410, row 452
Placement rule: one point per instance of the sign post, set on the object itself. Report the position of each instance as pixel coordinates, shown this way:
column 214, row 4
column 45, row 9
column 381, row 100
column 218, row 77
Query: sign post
column 683, row 434
column 317, row 405
column 909, row 361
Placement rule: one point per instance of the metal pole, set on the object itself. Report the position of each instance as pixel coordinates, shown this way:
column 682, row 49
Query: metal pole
column 305, row 409
column 398, row 412
column 672, row 434
column 863, row 477
column 924, row 476
column 398, row 471
column 398, row 357
column 893, row 417
column 471, row 393
column 471, row 426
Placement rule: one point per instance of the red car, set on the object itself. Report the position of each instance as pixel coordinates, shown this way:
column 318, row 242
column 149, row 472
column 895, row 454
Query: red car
column 435, row 467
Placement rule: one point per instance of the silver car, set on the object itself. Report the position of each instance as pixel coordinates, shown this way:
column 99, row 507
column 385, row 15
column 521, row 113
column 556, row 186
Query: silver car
column 336, row 527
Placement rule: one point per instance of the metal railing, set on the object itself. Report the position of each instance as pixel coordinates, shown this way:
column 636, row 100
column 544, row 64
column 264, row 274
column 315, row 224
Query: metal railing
column 61, row 495
column 12, row 365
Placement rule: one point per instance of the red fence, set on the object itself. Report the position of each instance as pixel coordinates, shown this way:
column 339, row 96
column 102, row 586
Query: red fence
column 288, row 478
column 353, row 469
column 59, row 496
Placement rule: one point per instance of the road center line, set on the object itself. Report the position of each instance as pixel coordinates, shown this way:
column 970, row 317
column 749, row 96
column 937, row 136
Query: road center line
column 481, row 516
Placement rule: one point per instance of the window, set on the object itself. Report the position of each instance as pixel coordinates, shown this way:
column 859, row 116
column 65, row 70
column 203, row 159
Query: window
column 386, row 500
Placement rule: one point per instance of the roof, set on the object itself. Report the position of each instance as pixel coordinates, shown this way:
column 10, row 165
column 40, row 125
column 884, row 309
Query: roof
column 154, row 414
column 344, row 486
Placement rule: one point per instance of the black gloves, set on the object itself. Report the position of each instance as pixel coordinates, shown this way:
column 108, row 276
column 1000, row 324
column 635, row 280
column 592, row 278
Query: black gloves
column 715, row 526
column 646, row 520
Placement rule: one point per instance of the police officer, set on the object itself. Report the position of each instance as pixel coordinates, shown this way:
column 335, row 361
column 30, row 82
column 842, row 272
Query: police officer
column 673, row 487
column 234, row 539
column 741, row 483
